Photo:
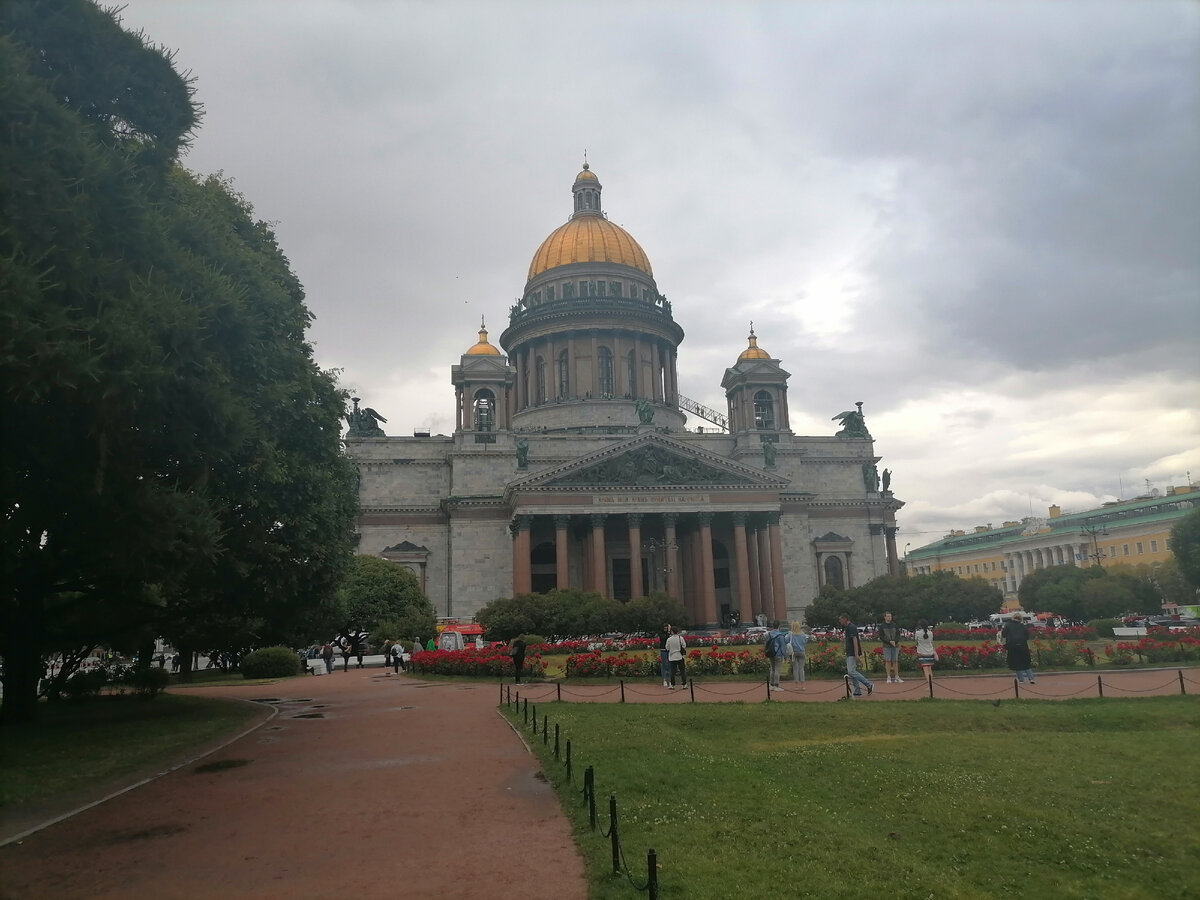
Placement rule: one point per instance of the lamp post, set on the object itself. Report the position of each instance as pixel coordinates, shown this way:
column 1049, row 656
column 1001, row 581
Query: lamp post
column 1095, row 532
column 907, row 570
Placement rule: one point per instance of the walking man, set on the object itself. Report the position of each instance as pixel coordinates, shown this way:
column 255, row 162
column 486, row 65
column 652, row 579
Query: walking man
column 664, row 662
column 889, row 636
column 853, row 655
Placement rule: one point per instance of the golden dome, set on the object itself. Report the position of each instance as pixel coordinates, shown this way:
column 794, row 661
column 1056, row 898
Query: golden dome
column 587, row 239
column 754, row 351
column 586, row 175
column 482, row 348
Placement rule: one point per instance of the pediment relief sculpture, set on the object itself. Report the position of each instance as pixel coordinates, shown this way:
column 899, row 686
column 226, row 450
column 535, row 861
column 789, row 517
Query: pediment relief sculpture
column 647, row 466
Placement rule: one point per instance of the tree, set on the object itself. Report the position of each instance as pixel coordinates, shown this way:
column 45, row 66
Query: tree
column 377, row 591
column 1184, row 543
column 179, row 468
column 937, row 597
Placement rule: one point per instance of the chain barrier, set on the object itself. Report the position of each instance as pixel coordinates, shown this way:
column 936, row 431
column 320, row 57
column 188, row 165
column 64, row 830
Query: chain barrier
column 1111, row 686
column 941, row 683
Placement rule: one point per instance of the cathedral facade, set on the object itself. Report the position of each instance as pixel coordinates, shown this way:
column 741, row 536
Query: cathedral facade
column 572, row 463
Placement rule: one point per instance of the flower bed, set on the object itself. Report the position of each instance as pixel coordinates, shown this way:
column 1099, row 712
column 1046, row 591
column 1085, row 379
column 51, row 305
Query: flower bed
column 1181, row 648
column 1078, row 633
column 486, row 663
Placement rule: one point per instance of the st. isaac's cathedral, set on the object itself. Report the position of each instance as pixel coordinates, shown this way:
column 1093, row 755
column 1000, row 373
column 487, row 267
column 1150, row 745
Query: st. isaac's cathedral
column 571, row 463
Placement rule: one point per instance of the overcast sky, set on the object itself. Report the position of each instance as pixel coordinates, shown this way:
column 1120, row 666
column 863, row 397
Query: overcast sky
column 982, row 220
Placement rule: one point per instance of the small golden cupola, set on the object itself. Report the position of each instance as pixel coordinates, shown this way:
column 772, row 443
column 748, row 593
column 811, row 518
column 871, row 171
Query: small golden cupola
column 482, row 347
column 753, row 351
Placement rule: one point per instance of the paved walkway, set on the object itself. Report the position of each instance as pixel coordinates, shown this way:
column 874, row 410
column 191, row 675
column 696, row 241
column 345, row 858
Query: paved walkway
column 399, row 788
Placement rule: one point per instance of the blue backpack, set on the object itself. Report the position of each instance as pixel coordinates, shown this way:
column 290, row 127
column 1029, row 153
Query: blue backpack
column 772, row 649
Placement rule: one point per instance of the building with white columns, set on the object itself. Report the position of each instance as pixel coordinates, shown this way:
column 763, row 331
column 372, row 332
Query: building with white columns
column 572, row 463
column 1127, row 532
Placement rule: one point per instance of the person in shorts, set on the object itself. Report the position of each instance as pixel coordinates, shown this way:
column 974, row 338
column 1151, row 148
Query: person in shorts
column 889, row 637
column 926, row 652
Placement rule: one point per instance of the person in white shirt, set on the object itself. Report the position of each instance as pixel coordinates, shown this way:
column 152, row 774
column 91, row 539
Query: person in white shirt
column 676, row 647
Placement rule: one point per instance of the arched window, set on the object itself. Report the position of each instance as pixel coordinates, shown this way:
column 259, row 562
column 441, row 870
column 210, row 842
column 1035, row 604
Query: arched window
column 540, row 383
column 604, row 380
column 485, row 410
column 833, row 573
column 631, row 373
column 564, row 375
column 764, row 411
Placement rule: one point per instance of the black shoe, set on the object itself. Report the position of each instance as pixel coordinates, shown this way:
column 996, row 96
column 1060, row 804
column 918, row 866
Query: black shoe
column 870, row 689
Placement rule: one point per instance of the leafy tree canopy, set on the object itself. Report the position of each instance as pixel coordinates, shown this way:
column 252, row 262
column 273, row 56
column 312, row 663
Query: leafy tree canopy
column 378, row 592
column 937, row 597
column 1184, row 543
column 568, row 613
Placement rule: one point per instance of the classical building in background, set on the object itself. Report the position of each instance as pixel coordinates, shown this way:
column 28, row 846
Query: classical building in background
column 571, row 463
column 1127, row 532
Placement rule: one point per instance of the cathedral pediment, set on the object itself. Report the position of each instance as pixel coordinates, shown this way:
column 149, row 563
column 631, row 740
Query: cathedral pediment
column 648, row 461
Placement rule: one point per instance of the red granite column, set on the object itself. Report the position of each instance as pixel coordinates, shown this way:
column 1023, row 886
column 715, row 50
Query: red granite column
column 562, row 570
column 708, row 587
column 742, row 556
column 635, row 555
column 524, row 574
column 755, row 572
column 777, row 588
column 599, row 560
column 669, row 520
column 766, row 576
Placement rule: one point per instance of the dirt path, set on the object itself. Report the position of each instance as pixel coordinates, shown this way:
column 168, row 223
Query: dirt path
column 395, row 787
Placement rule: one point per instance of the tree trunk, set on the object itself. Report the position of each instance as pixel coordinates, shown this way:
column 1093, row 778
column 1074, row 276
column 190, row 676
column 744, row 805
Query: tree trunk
column 185, row 663
column 22, row 667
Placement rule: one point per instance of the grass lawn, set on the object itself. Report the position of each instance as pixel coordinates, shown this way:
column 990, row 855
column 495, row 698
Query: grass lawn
column 1077, row 799
column 76, row 746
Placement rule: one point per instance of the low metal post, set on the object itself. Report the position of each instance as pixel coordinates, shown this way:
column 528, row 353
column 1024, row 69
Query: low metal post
column 546, row 729
column 525, row 708
column 1182, row 689
column 535, row 718
column 931, row 685
column 589, row 789
column 502, row 692
column 558, row 691
column 613, row 834
column 622, row 690
column 1016, row 689
column 1100, row 685
column 692, row 690
column 556, row 740
column 768, row 688
column 846, row 679
column 568, row 759
column 652, row 874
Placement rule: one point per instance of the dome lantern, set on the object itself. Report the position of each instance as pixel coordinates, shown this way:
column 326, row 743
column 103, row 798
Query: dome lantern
column 482, row 347
column 753, row 351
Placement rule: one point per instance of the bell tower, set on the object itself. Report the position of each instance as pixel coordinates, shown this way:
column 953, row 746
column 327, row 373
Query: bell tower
column 756, row 391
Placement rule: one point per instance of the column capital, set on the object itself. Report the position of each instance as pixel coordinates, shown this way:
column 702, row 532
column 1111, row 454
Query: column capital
column 562, row 521
column 634, row 519
column 704, row 519
column 520, row 523
column 670, row 519
column 739, row 519
column 598, row 519
column 772, row 518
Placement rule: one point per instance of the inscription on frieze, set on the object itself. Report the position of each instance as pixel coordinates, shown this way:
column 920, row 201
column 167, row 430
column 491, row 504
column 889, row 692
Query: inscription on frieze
column 647, row 466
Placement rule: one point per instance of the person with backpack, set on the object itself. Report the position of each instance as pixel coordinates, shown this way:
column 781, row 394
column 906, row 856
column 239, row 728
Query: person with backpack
column 797, row 644
column 1015, row 638
column 773, row 650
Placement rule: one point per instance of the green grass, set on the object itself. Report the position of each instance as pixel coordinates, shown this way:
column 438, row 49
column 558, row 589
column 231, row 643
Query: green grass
column 1076, row 799
column 74, row 747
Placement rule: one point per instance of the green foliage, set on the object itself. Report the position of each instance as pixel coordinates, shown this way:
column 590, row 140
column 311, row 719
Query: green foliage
column 1184, row 543
column 382, row 596
column 1104, row 627
column 270, row 662
column 147, row 681
column 180, row 470
column 937, row 597
column 1087, row 593
column 568, row 613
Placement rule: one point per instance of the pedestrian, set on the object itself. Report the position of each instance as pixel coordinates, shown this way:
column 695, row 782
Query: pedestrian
column 397, row 658
column 798, row 641
column 676, row 649
column 345, row 655
column 387, row 653
column 774, row 650
column 327, row 656
column 664, row 659
column 517, row 652
column 889, row 636
column 927, row 654
column 1015, row 638
column 853, row 655
column 431, row 645
column 175, row 663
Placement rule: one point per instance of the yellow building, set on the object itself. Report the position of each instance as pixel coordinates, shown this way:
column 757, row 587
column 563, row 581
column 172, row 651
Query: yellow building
column 1128, row 532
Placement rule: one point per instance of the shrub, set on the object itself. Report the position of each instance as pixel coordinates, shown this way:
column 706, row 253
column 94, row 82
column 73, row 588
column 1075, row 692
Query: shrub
column 1104, row 627
column 486, row 663
column 85, row 684
column 270, row 662
column 146, row 682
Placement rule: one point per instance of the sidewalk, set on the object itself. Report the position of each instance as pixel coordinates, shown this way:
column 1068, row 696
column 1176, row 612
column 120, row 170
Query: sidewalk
column 395, row 787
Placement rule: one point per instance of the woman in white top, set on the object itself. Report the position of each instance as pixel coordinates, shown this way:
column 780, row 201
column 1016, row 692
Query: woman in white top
column 926, row 652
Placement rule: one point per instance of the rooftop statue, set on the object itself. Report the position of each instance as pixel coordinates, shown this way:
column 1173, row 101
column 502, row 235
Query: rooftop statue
column 853, row 423
column 768, row 448
column 522, row 453
column 364, row 422
column 887, row 479
column 645, row 411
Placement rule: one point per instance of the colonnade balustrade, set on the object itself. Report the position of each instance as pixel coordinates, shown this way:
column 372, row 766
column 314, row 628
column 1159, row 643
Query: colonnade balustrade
column 704, row 559
column 1020, row 563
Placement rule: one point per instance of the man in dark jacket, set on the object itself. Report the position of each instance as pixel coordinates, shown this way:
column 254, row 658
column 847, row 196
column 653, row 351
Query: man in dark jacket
column 889, row 636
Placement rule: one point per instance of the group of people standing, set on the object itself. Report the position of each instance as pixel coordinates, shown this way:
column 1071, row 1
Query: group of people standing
column 786, row 643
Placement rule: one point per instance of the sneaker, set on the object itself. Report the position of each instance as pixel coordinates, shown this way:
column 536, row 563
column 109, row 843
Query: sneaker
column 665, row 684
column 899, row 681
column 858, row 693
column 870, row 689
column 670, row 687
column 889, row 681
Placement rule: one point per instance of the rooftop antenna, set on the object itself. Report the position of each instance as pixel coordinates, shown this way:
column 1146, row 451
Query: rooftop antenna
column 1120, row 488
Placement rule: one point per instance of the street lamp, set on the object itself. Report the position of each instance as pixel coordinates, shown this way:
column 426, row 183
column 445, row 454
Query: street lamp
column 1095, row 532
